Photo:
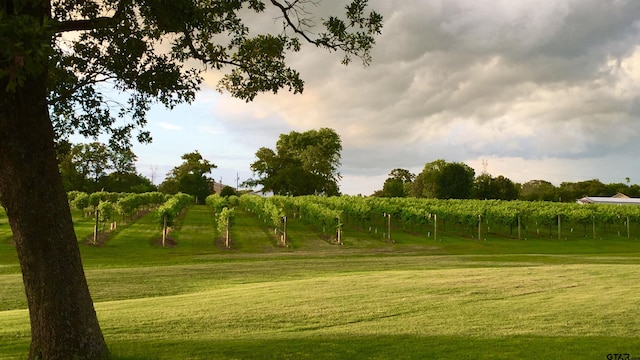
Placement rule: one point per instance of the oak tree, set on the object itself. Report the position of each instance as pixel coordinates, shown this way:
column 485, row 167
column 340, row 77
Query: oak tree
column 486, row 186
column 303, row 164
column 538, row 190
column 425, row 183
column 455, row 181
column 191, row 178
column 443, row 180
column 398, row 184
column 94, row 167
column 54, row 56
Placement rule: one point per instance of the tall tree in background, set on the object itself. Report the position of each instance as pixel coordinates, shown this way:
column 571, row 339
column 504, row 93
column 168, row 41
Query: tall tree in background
column 627, row 189
column 398, row 184
column 442, row 180
column 190, row 177
column 455, row 181
column 303, row 164
column 94, row 167
column 538, row 190
column 425, row 183
column 83, row 165
column 486, row 186
column 123, row 175
column 49, row 89
column 571, row 191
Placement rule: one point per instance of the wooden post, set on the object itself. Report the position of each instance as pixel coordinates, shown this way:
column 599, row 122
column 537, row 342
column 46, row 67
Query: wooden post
column 95, row 228
column 164, row 229
column 479, row 227
column 559, row 227
column 226, row 241
column 435, row 227
column 388, row 216
column 628, row 232
column 284, row 233
column 519, row 228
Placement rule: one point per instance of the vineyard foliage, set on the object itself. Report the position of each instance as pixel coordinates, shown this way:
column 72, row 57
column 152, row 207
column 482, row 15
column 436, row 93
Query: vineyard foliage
column 330, row 213
column 224, row 220
column 217, row 202
column 106, row 211
column 124, row 204
column 223, row 209
column 468, row 212
column 168, row 211
column 265, row 208
column 132, row 203
column 315, row 212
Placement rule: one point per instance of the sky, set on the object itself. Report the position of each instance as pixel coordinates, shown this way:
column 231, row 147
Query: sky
column 527, row 89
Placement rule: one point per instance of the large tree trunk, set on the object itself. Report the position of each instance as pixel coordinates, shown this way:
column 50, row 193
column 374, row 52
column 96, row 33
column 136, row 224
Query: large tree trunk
column 63, row 321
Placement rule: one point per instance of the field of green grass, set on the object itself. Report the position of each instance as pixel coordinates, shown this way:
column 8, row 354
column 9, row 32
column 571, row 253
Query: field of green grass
column 417, row 298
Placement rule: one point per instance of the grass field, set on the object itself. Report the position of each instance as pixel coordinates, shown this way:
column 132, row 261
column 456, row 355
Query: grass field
column 418, row 298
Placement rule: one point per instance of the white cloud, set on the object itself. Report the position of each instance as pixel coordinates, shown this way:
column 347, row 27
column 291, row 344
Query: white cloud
column 170, row 126
column 544, row 90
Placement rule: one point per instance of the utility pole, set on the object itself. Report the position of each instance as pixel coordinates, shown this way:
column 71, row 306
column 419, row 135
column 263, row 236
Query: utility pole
column 154, row 170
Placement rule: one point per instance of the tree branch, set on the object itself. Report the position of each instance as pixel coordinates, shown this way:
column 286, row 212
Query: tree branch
column 91, row 24
column 202, row 57
column 296, row 28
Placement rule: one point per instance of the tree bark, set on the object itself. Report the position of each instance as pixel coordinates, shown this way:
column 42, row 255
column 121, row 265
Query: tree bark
column 64, row 324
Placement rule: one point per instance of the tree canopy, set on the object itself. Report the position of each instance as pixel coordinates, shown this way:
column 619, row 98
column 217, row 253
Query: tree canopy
column 398, row 184
column 303, row 164
column 455, row 181
column 488, row 187
column 442, row 180
column 94, row 166
column 56, row 56
column 425, row 183
column 141, row 47
column 190, row 177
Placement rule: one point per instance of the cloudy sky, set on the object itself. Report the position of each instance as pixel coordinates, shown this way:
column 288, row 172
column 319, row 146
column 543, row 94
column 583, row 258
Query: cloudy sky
column 533, row 89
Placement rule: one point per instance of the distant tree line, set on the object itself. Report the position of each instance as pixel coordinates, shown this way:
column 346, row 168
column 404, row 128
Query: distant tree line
column 302, row 164
column 453, row 180
column 97, row 167
column 306, row 164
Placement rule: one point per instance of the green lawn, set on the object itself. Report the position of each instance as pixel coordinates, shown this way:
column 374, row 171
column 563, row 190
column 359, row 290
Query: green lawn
column 368, row 299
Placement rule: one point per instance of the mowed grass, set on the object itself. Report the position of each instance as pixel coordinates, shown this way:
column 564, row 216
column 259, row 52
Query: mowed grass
column 415, row 299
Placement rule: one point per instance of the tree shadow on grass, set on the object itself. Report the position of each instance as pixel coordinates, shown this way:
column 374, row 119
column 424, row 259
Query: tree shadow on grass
column 381, row 347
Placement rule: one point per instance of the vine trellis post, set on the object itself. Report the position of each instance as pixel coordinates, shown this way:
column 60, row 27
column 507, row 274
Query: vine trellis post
column 284, row 232
column 164, row 229
column 95, row 228
column 226, row 236
column 388, row 216
column 628, row 230
column 435, row 227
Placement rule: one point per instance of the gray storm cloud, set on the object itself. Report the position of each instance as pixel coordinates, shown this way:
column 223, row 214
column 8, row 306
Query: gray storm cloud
column 466, row 79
